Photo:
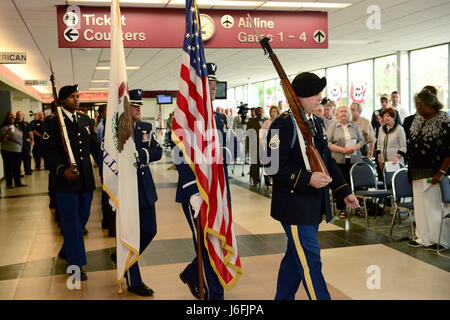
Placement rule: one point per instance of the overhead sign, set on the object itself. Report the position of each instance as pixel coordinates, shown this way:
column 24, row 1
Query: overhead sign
column 13, row 57
column 36, row 82
column 89, row 27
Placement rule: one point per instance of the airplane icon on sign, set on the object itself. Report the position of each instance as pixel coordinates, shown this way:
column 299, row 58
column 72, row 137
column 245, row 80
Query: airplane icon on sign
column 227, row 21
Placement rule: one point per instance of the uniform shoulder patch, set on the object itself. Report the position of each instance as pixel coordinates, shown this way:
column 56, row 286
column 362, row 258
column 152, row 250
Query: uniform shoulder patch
column 274, row 142
column 286, row 114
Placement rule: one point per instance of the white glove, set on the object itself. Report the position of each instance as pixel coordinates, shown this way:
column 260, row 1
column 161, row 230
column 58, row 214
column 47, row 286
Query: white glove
column 196, row 202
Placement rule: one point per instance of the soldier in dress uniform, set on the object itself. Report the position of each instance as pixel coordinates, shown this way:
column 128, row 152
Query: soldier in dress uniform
column 189, row 197
column 74, row 186
column 301, row 197
column 227, row 136
column 149, row 150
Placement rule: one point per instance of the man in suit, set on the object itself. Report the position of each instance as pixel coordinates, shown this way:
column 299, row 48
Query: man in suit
column 149, row 150
column 74, row 185
column 300, row 197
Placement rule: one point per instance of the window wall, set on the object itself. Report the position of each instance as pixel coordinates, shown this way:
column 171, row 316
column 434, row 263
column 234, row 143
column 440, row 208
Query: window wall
column 361, row 85
column 337, row 84
column 362, row 81
column 430, row 68
column 385, row 77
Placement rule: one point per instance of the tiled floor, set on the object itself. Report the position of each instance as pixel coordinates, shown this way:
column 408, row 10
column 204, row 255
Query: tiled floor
column 30, row 241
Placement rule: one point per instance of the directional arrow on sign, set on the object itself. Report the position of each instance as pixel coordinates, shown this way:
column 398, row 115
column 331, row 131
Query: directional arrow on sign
column 319, row 36
column 71, row 34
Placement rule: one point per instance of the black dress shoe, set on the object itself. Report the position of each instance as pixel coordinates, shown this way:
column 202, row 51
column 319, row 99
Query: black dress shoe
column 112, row 233
column 62, row 255
column 142, row 290
column 21, row 185
column 113, row 257
column 194, row 289
column 85, row 231
column 83, row 275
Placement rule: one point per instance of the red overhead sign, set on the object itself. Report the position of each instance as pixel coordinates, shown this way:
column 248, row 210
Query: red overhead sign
column 89, row 27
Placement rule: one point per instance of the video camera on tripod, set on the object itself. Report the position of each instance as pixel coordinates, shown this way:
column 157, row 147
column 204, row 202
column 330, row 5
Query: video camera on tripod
column 243, row 110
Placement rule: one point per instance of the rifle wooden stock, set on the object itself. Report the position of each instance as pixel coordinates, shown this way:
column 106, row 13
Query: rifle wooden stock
column 306, row 128
column 62, row 125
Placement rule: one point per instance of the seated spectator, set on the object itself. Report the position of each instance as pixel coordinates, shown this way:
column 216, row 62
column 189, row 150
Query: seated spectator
column 345, row 141
column 392, row 141
column 11, row 149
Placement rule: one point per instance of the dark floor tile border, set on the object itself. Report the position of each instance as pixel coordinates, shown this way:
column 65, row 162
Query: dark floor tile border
column 171, row 251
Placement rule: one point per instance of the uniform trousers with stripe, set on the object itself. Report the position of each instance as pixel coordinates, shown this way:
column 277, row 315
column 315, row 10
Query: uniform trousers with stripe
column 213, row 289
column 147, row 225
column 74, row 210
column 301, row 263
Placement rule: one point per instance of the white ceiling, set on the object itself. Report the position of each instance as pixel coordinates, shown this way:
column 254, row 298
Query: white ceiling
column 405, row 25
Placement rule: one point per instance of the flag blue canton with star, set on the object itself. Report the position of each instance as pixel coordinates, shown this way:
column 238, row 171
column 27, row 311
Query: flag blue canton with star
column 193, row 44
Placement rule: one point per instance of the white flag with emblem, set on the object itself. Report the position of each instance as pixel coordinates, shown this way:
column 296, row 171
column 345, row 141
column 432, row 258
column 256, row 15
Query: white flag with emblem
column 119, row 172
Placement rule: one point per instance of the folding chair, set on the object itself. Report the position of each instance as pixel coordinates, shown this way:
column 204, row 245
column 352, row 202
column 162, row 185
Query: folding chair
column 369, row 161
column 445, row 200
column 401, row 189
column 362, row 176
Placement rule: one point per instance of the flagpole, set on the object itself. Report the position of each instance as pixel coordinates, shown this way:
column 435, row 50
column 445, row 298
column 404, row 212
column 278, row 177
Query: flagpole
column 199, row 258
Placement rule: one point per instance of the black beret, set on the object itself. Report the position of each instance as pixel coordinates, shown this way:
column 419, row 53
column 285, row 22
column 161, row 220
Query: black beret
column 307, row 84
column 66, row 91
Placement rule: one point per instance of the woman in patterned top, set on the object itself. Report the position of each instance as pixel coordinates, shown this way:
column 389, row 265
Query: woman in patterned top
column 428, row 150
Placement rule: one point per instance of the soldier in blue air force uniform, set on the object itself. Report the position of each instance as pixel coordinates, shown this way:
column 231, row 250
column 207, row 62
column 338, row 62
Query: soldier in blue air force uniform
column 149, row 150
column 74, row 186
column 300, row 197
column 189, row 197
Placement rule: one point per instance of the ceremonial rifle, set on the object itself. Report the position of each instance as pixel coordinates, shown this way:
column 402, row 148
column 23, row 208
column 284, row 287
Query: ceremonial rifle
column 306, row 128
column 62, row 125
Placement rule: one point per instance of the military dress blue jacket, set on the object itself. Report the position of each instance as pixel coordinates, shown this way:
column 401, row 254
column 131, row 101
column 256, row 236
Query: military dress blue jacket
column 149, row 150
column 294, row 201
column 187, row 185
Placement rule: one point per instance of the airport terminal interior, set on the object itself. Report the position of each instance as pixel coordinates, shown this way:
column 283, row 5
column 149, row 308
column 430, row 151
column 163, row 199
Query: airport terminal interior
column 372, row 48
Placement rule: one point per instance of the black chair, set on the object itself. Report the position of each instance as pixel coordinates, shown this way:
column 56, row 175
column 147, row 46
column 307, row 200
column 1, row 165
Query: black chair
column 380, row 184
column 445, row 200
column 362, row 176
column 402, row 195
column 388, row 175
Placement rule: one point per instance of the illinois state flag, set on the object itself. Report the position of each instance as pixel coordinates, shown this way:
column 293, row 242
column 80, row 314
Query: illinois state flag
column 194, row 131
column 119, row 172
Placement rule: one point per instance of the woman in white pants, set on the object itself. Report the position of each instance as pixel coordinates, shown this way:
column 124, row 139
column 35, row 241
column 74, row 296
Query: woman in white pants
column 428, row 150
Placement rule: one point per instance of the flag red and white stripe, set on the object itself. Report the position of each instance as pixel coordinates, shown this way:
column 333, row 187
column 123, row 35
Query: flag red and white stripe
column 195, row 133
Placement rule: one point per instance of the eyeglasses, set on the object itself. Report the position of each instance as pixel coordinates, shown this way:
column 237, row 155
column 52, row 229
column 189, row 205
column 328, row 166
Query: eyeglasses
column 421, row 104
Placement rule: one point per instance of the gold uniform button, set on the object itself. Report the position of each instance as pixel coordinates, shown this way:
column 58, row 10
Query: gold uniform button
column 79, row 134
column 292, row 191
column 81, row 150
column 81, row 158
column 79, row 141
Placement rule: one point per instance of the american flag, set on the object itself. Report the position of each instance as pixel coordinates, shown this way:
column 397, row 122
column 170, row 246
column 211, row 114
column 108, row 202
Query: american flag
column 194, row 132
